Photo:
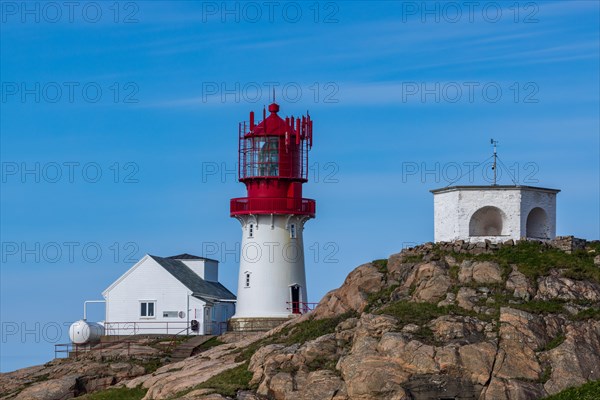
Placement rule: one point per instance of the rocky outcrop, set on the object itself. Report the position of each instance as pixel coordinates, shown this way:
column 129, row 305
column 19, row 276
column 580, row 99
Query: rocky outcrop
column 450, row 329
column 479, row 272
column 428, row 281
column 447, row 320
column 385, row 362
column 352, row 295
column 575, row 361
column 52, row 389
column 490, row 350
column 559, row 287
column 282, row 372
column 178, row 377
column 518, row 284
column 65, row 378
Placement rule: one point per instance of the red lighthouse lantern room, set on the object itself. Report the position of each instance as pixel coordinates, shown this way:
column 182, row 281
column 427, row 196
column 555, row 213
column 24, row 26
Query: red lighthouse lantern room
column 273, row 164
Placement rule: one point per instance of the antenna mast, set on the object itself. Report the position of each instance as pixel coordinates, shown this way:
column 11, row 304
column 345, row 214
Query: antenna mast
column 494, row 143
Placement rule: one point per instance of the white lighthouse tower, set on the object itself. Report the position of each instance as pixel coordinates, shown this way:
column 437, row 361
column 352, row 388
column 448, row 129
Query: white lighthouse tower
column 273, row 164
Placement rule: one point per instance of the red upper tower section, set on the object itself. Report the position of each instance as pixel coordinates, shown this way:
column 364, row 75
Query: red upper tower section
column 273, row 164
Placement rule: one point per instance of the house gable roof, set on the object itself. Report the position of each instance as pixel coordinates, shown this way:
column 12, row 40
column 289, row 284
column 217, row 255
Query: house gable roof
column 199, row 286
column 186, row 256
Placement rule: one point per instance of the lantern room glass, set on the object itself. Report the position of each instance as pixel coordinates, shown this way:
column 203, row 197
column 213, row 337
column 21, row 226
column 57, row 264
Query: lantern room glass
column 262, row 156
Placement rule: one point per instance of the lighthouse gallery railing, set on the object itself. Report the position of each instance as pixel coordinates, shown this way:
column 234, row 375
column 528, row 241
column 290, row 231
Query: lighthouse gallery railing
column 272, row 205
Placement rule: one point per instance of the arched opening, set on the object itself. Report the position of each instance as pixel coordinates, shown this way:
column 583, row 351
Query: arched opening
column 537, row 224
column 487, row 221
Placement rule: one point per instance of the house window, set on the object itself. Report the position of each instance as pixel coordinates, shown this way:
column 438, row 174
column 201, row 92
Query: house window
column 147, row 309
column 251, row 230
column 247, row 279
column 293, row 231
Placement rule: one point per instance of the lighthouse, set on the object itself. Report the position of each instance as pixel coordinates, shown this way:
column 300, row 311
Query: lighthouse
column 273, row 164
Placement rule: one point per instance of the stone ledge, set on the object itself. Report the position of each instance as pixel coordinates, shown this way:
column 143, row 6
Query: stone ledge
column 256, row 324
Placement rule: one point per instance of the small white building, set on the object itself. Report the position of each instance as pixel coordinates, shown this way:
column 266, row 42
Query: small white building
column 496, row 213
column 171, row 295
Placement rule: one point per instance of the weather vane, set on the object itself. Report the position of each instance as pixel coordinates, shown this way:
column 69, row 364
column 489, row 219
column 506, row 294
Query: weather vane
column 494, row 143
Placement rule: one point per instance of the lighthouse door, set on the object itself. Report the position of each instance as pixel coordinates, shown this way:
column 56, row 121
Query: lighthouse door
column 295, row 299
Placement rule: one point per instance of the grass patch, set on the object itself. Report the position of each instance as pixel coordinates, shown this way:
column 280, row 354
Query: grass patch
column 535, row 260
column 425, row 334
column 594, row 246
column 149, row 365
column 502, row 298
column 116, row 394
column 210, row 343
column 381, row 265
column 453, row 272
column 505, row 270
column 322, row 363
column 247, row 352
column 583, row 272
column 589, row 391
column 554, row 343
column 590, row 313
column 227, row 383
column 545, row 377
column 412, row 289
column 312, row 329
column 553, row 306
column 413, row 258
column 300, row 333
column 420, row 313
column 41, row 378
column 381, row 297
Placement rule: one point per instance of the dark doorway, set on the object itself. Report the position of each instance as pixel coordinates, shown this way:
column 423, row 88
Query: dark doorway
column 295, row 299
column 537, row 224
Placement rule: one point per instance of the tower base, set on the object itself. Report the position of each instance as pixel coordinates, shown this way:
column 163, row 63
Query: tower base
column 257, row 324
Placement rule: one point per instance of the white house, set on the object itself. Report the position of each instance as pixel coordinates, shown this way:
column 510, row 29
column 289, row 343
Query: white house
column 496, row 213
column 171, row 295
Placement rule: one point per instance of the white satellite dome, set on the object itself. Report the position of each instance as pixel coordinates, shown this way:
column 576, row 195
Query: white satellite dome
column 82, row 332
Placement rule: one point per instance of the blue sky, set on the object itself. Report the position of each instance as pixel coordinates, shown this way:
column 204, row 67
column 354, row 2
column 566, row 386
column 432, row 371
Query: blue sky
column 149, row 94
